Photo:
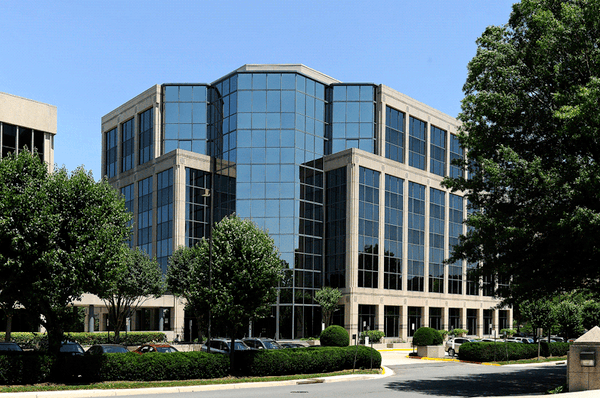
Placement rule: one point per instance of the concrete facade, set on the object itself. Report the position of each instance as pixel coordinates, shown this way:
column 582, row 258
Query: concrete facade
column 227, row 120
column 23, row 115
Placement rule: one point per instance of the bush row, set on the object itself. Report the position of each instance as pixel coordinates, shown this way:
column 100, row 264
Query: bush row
column 306, row 360
column 34, row 340
column 488, row 352
column 36, row 367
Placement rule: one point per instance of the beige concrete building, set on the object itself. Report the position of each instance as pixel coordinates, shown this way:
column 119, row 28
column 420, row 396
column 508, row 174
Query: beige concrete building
column 334, row 171
column 25, row 123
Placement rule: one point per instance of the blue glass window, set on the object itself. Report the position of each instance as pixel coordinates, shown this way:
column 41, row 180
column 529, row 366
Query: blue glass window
column 437, row 150
column 437, row 238
column 128, row 194
column 164, row 217
column 144, row 216
column 368, row 228
column 394, row 203
column 417, row 136
column 146, row 139
column 456, row 152
column 186, row 116
column 416, row 237
column 127, row 149
column 394, row 135
column 111, row 153
column 455, row 228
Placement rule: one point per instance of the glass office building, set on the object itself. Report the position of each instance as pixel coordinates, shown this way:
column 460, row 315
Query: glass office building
column 326, row 167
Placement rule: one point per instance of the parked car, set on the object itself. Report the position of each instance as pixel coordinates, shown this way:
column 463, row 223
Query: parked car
column 71, row 348
column 262, row 343
column 453, row 345
column 525, row 340
column 163, row 348
column 99, row 349
column 291, row 345
column 223, row 346
column 10, row 347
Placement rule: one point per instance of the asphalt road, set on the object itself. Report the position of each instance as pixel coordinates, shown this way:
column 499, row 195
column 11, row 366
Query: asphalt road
column 410, row 379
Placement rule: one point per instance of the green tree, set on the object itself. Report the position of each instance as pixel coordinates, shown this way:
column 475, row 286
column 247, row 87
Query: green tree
column 531, row 128
column 590, row 314
column 540, row 313
column 246, row 270
column 328, row 298
column 138, row 278
column 567, row 315
column 187, row 277
column 60, row 235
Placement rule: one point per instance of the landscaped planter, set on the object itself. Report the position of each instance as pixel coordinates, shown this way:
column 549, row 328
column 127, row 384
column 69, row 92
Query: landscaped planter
column 431, row 351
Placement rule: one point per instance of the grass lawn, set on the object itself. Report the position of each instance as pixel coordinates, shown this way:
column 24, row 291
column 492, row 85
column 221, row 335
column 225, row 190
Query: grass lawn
column 533, row 360
column 176, row 383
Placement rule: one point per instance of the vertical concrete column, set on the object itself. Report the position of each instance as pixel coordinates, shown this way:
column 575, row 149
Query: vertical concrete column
column 161, row 319
column 496, row 325
column 380, row 317
column 425, row 320
column 90, row 318
column 480, row 325
column 404, row 326
column 463, row 317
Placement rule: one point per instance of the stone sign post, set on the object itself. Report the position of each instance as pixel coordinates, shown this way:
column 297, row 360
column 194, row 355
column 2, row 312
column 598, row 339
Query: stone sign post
column 583, row 369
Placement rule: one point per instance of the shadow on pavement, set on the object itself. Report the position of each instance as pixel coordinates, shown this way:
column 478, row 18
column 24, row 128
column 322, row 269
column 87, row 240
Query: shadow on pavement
column 520, row 381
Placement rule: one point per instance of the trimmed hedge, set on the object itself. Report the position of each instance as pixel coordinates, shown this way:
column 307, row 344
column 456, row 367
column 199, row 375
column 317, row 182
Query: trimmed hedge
column 500, row 351
column 427, row 336
column 25, row 368
column 155, row 366
column 35, row 340
column 335, row 336
column 306, row 360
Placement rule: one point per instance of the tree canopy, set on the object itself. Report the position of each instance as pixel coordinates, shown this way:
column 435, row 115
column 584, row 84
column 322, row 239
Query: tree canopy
column 531, row 129
column 246, row 271
column 137, row 279
column 328, row 298
column 60, row 235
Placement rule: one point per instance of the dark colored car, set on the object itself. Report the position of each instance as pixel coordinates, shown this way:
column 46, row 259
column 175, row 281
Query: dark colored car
column 292, row 345
column 262, row 343
column 223, row 346
column 99, row 349
column 71, row 348
column 10, row 347
column 163, row 348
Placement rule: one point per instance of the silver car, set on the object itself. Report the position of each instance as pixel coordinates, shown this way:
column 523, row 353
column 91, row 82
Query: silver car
column 453, row 344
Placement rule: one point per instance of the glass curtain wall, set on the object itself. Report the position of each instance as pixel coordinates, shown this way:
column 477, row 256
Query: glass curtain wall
column 144, row 218
column 127, row 193
column 456, row 152
column 417, row 143
column 185, row 118
column 164, row 217
column 335, row 242
column 437, row 151
column 127, row 149
column 352, row 114
column 110, row 155
column 146, row 139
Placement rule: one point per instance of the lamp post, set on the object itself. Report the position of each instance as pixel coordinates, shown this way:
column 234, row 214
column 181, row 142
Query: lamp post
column 208, row 194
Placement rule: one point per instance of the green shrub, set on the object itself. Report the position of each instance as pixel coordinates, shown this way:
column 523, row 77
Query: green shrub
column 335, row 336
column 35, row 340
column 501, row 351
column 374, row 335
column 306, row 360
column 427, row 336
column 25, row 368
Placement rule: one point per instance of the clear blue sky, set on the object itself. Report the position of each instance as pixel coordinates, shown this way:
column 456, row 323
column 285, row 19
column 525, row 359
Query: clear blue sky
column 88, row 57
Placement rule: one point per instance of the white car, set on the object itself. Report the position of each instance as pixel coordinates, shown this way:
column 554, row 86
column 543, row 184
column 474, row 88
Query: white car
column 453, row 345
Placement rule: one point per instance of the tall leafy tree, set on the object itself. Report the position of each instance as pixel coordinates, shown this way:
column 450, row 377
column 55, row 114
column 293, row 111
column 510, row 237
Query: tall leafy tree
column 187, row 277
column 328, row 298
column 61, row 234
column 137, row 279
column 246, row 270
column 531, row 128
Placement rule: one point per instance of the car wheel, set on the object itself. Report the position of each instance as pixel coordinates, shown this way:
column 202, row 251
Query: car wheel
column 451, row 352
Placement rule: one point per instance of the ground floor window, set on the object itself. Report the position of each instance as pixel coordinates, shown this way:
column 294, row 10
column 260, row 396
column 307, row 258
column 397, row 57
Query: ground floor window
column 338, row 316
column 488, row 321
column 366, row 317
column 392, row 321
column 503, row 319
column 472, row 321
column 414, row 319
column 435, row 318
column 454, row 318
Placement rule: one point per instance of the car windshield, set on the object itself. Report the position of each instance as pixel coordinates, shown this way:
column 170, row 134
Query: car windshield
column 70, row 347
column 112, row 350
column 240, row 346
column 271, row 345
column 166, row 349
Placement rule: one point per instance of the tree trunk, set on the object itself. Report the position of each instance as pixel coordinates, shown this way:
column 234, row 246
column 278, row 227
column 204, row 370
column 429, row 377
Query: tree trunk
column 7, row 336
